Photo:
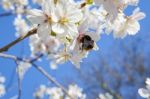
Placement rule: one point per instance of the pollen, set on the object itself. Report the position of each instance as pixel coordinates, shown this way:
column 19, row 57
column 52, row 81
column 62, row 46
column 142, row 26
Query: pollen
column 89, row 1
column 66, row 57
column 63, row 20
column 55, row 1
column 6, row 4
column 49, row 20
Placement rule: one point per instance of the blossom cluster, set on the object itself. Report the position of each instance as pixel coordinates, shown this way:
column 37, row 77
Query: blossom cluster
column 73, row 91
column 105, row 96
column 16, row 6
column 67, row 30
column 145, row 92
column 2, row 86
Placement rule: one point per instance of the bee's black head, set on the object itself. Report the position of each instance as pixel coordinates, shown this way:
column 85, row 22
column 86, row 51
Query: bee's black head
column 87, row 42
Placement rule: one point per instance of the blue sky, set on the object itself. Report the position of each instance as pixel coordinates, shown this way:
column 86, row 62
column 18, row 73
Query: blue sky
column 66, row 71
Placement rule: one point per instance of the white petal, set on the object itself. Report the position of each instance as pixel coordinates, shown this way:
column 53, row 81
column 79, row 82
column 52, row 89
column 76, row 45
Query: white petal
column 36, row 16
column 59, row 13
column 133, row 28
column 53, row 65
column 75, row 16
column 75, row 59
column 72, row 27
column 73, row 44
column 61, row 60
column 35, row 12
column 43, row 31
column 95, row 46
column 110, row 7
column 144, row 93
column 147, row 81
column 47, row 7
column 137, row 15
column 58, row 28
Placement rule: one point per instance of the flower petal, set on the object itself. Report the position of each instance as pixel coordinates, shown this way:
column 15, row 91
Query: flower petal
column 36, row 16
column 58, row 28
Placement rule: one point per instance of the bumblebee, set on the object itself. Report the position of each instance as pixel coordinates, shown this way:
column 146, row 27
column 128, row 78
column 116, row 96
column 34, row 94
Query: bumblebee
column 86, row 43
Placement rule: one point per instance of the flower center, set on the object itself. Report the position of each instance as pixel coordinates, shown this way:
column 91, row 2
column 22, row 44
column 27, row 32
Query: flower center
column 63, row 20
column 66, row 57
column 48, row 19
column 55, row 1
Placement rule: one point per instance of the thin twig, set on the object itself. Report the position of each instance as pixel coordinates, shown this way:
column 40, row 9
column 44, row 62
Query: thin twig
column 50, row 78
column 19, row 83
column 6, row 47
column 19, row 80
column 36, row 58
column 29, row 60
column 39, row 68
column 8, row 56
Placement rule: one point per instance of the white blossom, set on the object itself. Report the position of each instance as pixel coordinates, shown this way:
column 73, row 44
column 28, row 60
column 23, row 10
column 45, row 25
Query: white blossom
column 39, row 94
column 22, row 68
column 36, row 45
column 17, row 6
column 110, row 6
column 131, row 2
column 59, row 58
column 124, row 25
column 66, row 19
column 21, row 26
column 105, row 96
column 42, row 18
column 2, row 86
column 47, row 46
column 75, row 92
column 7, row 5
column 145, row 92
column 2, row 79
column 2, row 90
column 55, row 93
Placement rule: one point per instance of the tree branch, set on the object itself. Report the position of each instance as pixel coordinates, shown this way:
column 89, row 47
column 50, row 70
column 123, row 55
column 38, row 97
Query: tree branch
column 6, row 47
